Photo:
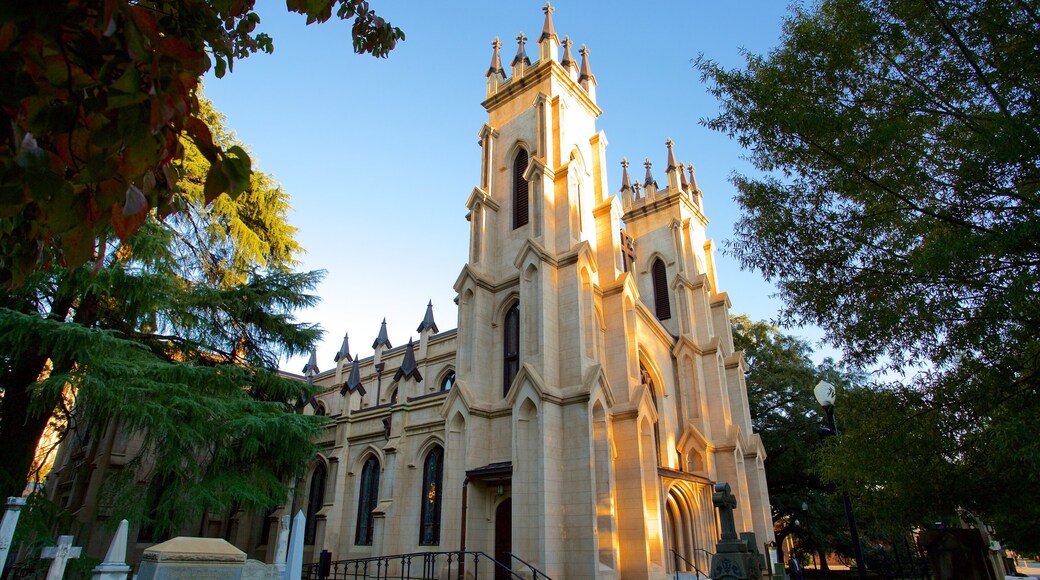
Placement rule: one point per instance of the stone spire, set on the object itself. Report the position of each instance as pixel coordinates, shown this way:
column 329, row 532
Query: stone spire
column 673, row 169
column 683, row 183
column 568, row 61
column 427, row 321
column 520, row 61
column 311, row 368
column 548, row 42
column 585, row 77
column 382, row 340
column 495, row 74
column 408, row 367
column 626, row 185
column 496, row 61
column 636, row 188
column 353, row 382
column 649, row 180
column 344, row 350
column 695, row 190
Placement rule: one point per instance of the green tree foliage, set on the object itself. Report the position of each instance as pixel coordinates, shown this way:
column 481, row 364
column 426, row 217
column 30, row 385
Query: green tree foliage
column 784, row 412
column 95, row 100
column 173, row 334
column 899, row 144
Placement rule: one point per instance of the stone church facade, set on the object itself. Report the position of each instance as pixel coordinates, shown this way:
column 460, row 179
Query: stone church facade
column 591, row 395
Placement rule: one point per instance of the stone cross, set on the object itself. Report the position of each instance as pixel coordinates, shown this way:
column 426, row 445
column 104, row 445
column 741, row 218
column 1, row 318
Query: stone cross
column 60, row 554
column 726, row 502
column 11, row 515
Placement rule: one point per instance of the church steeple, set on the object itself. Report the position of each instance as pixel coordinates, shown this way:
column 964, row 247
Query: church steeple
column 548, row 42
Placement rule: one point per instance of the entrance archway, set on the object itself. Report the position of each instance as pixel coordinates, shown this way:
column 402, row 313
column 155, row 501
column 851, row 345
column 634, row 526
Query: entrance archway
column 503, row 538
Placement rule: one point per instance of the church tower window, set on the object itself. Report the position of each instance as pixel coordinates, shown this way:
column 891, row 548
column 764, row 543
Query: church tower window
column 430, row 519
column 659, row 277
column 511, row 341
column 520, row 198
column 368, row 498
column 315, row 499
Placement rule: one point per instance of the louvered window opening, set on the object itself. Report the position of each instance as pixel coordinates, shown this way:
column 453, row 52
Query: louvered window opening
column 511, row 351
column 368, row 498
column 521, row 202
column 433, row 470
column 660, row 280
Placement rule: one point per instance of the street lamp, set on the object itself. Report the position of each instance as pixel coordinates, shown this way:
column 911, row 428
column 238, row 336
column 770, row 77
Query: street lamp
column 825, row 395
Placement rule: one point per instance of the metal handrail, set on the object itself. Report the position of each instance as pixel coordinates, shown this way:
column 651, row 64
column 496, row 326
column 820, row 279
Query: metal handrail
column 407, row 566
column 678, row 557
column 534, row 571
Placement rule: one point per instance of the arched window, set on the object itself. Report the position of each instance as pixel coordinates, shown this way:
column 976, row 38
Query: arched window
column 659, row 277
column 430, row 519
column 393, row 396
column 448, row 382
column 520, row 198
column 648, row 380
column 315, row 499
column 368, row 498
column 511, row 351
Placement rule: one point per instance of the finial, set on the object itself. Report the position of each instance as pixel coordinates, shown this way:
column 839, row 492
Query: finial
column 311, row 368
column 344, row 350
column 547, row 28
column 649, row 178
column 586, row 72
column 409, row 369
column 693, row 180
column 496, row 60
column 671, row 156
column 521, row 55
column 636, row 188
column 682, row 177
column 568, row 59
column 427, row 322
column 625, row 183
column 353, row 381
column 382, row 339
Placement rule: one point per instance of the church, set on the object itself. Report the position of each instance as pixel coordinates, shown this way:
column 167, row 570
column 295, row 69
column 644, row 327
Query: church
column 590, row 397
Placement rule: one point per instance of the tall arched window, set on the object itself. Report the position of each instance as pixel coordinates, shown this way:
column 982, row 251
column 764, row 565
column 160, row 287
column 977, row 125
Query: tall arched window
column 648, row 380
column 659, row 277
column 368, row 498
column 511, row 349
column 430, row 519
column 520, row 197
column 315, row 499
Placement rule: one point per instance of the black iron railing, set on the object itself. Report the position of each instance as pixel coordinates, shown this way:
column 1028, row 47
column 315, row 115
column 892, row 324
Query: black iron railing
column 418, row 565
column 535, row 572
column 689, row 567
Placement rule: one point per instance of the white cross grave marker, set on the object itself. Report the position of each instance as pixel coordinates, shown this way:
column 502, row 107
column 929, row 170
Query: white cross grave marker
column 14, row 510
column 61, row 554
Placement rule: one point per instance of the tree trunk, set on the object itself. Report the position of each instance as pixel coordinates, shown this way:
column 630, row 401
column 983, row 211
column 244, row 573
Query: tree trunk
column 20, row 431
column 823, row 562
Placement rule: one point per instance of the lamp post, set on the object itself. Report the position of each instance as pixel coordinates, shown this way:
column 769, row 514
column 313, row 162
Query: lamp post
column 825, row 394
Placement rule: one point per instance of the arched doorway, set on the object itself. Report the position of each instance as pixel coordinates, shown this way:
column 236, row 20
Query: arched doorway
column 503, row 538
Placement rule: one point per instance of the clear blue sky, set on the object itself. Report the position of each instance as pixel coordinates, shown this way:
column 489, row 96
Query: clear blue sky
column 379, row 155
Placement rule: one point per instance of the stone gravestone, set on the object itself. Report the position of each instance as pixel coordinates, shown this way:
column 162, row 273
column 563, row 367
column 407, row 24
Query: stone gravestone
column 294, row 560
column 114, row 567
column 11, row 515
column 60, row 554
column 192, row 558
column 736, row 557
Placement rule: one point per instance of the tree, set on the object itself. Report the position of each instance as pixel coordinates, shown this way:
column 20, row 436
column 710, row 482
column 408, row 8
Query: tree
column 897, row 208
column 95, row 101
column 780, row 380
column 175, row 339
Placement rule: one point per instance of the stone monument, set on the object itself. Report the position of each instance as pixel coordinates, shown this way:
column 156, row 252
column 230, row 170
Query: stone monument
column 736, row 557
column 196, row 558
column 60, row 554
column 10, row 522
column 114, row 567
